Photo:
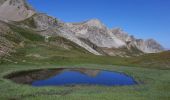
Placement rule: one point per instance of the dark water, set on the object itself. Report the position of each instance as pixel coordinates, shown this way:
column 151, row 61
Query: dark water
column 58, row 77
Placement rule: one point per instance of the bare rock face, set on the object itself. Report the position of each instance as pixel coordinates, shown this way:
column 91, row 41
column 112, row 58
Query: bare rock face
column 97, row 33
column 2, row 1
column 95, row 23
column 6, row 46
column 146, row 46
column 44, row 22
column 49, row 26
column 149, row 46
column 15, row 10
column 119, row 33
column 91, row 35
column 67, row 33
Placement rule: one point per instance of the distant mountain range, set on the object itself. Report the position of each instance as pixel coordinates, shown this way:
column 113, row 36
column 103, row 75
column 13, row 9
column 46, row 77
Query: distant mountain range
column 92, row 35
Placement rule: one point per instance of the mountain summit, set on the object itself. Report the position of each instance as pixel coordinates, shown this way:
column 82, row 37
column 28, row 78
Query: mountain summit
column 15, row 10
column 92, row 35
column 95, row 23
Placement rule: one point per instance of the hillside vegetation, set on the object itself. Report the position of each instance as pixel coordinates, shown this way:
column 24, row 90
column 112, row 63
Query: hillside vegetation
column 33, row 49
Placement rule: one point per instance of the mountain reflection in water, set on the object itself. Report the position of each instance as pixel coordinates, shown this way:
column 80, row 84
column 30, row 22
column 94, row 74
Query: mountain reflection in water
column 70, row 77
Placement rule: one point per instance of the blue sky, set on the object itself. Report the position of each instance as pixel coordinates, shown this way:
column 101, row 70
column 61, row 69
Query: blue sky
column 141, row 18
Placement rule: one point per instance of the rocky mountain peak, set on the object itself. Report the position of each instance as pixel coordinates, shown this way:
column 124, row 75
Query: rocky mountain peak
column 95, row 23
column 118, row 32
column 151, row 41
column 15, row 10
column 91, row 35
column 154, row 44
column 2, row 1
column 148, row 46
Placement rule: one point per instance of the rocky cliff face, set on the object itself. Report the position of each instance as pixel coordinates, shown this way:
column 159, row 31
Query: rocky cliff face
column 91, row 35
column 106, row 39
column 146, row 46
column 15, row 10
column 49, row 27
column 97, row 33
column 149, row 46
column 7, row 40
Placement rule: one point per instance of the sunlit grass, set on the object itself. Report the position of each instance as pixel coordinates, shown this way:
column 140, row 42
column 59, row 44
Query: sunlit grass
column 154, row 85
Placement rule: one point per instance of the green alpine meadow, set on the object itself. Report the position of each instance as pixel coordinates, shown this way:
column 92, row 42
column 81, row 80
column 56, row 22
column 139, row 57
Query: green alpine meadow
column 44, row 58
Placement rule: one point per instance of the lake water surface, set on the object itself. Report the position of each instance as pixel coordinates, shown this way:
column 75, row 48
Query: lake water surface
column 71, row 77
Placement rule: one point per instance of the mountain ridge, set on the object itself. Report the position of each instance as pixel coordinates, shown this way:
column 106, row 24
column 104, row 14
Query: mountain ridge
column 92, row 35
column 15, row 10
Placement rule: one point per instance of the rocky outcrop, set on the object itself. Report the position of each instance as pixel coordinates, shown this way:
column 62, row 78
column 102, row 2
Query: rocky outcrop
column 45, row 22
column 2, row 1
column 6, row 45
column 15, row 10
column 97, row 33
column 112, row 41
column 91, row 35
column 51, row 27
column 149, row 46
column 94, row 36
column 146, row 46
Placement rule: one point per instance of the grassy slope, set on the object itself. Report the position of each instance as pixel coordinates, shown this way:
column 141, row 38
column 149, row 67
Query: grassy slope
column 159, row 60
column 55, row 54
column 155, row 82
column 155, row 86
